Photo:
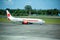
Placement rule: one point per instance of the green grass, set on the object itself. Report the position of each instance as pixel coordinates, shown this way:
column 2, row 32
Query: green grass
column 4, row 20
column 52, row 21
column 47, row 20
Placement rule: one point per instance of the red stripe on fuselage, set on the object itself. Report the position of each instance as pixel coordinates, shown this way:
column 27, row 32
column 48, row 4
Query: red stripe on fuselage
column 33, row 20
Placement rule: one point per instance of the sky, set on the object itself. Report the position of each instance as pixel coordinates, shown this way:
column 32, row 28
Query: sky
column 36, row 4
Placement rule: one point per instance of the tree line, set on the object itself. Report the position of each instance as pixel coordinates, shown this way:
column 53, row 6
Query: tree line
column 29, row 11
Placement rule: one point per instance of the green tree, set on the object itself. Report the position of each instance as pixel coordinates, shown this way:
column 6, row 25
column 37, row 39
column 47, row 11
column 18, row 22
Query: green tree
column 28, row 9
column 55, row 11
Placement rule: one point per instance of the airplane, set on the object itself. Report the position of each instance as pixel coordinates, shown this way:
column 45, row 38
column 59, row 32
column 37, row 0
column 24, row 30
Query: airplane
column 24, row 20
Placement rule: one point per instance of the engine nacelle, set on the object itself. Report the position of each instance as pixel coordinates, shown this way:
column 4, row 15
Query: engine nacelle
column 25, row 22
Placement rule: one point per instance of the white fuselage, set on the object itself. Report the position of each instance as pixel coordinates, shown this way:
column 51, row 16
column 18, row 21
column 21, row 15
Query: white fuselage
column 28, row 20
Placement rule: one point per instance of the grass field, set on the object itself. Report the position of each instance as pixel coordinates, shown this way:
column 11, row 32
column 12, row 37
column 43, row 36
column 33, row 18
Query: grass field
column 47, row 20
column 52, row 21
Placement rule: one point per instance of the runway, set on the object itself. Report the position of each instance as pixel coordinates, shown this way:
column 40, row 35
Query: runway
column 10, row 31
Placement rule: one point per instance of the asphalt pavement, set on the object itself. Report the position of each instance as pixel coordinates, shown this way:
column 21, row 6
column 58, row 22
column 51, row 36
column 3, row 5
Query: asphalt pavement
column 11, row 31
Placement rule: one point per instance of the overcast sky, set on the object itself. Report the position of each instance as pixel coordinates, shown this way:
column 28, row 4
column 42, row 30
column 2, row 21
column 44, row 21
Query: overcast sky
column 36, row 4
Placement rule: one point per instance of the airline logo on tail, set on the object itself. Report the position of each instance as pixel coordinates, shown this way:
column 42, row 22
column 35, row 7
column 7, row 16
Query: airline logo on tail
column 8, row 14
